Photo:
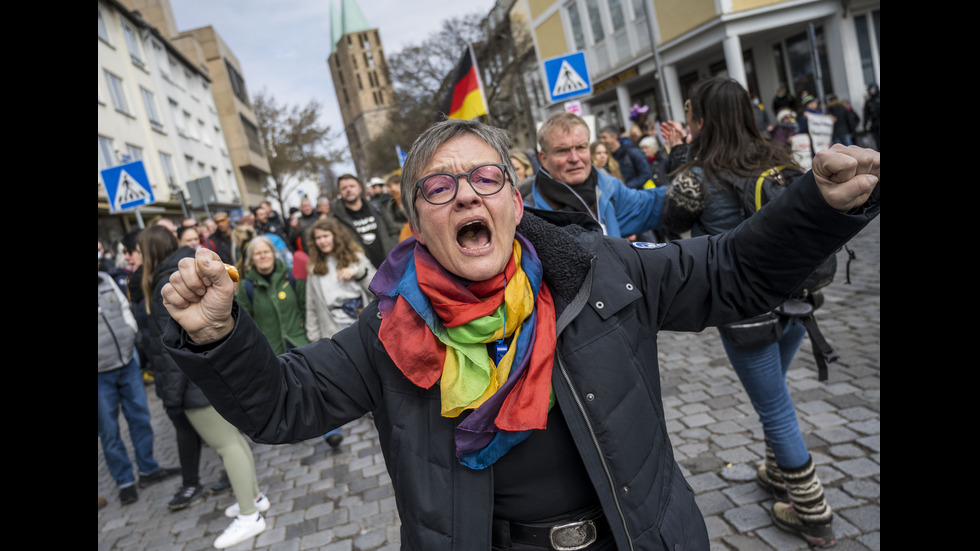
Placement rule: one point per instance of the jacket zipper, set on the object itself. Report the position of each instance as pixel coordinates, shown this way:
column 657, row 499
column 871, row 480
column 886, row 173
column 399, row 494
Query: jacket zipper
column 595, row 442
column 563, row 322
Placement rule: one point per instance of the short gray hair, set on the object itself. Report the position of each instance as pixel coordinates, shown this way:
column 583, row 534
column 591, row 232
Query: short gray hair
column 561, row 120
column 649, row 141
column 437, row 135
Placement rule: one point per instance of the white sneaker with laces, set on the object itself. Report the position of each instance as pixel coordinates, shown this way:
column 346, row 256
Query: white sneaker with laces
column 261, row 503
column 241, row 529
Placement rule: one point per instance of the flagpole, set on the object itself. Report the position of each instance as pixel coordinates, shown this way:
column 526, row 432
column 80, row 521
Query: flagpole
column 479, row 82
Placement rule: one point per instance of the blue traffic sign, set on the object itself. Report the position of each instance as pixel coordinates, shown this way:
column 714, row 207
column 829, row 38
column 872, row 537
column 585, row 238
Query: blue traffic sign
column 127, row 186
column 568, row 77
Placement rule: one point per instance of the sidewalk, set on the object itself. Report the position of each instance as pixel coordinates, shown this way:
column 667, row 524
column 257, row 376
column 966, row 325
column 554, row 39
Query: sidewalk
column 342, row 500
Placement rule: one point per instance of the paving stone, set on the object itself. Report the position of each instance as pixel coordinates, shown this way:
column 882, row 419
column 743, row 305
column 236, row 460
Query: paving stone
column 747, row 518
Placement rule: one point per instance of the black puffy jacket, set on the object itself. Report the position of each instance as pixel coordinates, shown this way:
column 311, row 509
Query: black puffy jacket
column 612, row 297
column 172, row 386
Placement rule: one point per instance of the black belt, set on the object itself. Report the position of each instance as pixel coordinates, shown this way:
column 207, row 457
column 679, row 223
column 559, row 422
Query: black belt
column 566, row 535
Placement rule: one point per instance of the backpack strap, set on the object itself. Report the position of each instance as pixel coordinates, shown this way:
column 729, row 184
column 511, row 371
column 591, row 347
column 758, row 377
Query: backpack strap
column 758, row 184
column 823, row 353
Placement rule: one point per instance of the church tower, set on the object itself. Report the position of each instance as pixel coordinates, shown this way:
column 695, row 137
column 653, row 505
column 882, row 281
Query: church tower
column 361, row 80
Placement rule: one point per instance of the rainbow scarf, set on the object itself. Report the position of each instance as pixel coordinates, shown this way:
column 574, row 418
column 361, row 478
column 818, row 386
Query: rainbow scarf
column 436, row 327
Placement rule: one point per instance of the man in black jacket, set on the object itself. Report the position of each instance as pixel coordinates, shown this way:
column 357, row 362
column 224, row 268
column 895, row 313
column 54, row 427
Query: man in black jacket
column 633, row 164
column 268, row 221
column 509, row 362
column 364, row 219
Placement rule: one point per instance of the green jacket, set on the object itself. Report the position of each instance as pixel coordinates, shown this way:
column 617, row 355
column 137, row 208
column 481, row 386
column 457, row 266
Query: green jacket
column 277, row 305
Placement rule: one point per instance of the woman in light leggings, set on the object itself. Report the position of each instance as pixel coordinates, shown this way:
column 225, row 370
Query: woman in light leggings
column 236, row 454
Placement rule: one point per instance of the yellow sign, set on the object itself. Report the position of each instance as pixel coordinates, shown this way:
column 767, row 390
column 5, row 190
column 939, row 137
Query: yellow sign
column 618, row 78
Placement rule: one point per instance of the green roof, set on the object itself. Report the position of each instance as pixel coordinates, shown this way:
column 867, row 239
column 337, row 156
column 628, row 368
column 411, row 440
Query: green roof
column 350, row 20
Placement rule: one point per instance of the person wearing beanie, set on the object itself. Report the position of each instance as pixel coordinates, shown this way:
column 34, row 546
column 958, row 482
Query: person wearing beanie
column 785, row 128
column 810, row 105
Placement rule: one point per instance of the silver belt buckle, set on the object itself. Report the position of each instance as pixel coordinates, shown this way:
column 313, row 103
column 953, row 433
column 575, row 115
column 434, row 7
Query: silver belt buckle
column 572, row 536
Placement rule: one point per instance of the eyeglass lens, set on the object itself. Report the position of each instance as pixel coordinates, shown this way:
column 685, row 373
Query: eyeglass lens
column 441, row 187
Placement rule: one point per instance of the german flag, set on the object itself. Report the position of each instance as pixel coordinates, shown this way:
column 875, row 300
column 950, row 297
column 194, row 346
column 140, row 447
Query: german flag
column 465, row 98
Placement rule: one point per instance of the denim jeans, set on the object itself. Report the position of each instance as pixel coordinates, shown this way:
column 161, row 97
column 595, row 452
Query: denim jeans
column 122, row 389
column 763, row 374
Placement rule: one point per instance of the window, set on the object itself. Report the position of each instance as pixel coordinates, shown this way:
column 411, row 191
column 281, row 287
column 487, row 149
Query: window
column 151, row 109
column 160, row 57
column 237, row 83
column 174, row 69
column 640, row 26
column 132, row 42
column 576, row 22
column 168, row 168
column 190, row 80
column 103, row 33
column 868, row 30
column 118, row 93
column 620, row 36
column 107, row 155
column 592, row 7
column 219, row 140
column 799, row 60
column 190, row 127
column 205, row 135
column 252, row 134
column 178, row 120
column 133, row 152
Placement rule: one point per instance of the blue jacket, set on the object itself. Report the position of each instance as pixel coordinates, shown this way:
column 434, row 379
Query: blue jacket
column 622, row 211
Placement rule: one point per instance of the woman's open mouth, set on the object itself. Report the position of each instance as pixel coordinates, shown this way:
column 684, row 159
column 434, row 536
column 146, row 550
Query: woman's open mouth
column 473, row 236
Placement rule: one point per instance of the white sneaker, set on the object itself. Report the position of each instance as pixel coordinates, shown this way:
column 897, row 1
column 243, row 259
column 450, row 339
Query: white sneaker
column 261, row 503
column 240, row 530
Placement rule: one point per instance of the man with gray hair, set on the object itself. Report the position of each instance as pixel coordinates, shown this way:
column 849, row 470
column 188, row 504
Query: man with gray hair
column 510, row 360
column 567, row 181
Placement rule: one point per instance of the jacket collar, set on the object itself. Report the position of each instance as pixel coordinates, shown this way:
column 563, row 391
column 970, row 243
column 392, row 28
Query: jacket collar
column 565, row 262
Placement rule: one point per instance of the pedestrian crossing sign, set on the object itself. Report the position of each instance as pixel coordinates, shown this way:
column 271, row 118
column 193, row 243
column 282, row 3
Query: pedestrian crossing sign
column 127, row 186
column 568, row 76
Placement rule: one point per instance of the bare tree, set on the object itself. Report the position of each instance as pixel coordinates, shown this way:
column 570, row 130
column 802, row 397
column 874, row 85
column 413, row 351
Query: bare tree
column 419, row 74
column 505, row 55
column 299, row 147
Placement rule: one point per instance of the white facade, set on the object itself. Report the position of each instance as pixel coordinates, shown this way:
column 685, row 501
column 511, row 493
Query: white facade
column 156, row 106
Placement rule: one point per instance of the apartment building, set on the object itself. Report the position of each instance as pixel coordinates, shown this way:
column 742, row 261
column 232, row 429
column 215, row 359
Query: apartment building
column 155, row 105
column 649, row 52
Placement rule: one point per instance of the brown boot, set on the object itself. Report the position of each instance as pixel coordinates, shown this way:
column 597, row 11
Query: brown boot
column 807, row 514
column 770, row 477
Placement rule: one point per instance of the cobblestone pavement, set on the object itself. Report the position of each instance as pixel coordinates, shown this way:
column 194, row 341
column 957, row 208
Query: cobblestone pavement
column 342, row 500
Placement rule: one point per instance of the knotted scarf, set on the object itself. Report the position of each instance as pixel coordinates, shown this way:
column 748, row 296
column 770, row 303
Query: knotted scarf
column 436, row 326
